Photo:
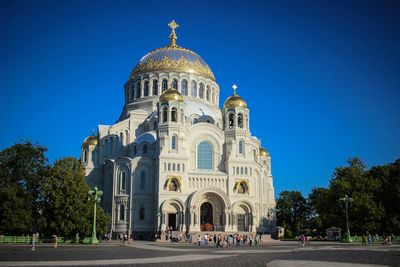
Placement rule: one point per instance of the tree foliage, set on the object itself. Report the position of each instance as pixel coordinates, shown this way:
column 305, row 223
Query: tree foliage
column 35, row 196
column 22, row 167
column 291, row 210
column 375, row 193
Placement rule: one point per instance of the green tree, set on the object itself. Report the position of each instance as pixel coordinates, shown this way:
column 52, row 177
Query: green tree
column 22, row 167
column 291, row 211
column 388, row 195
column 66, row 205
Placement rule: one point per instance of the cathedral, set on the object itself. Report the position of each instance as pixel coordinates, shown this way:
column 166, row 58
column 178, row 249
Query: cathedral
column 175, row 160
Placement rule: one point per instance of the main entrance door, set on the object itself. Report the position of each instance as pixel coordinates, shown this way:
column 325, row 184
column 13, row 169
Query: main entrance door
column 206, row 213
column 241, row 222
column 172, row 221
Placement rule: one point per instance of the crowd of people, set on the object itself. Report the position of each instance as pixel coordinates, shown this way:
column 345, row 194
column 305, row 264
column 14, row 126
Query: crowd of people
column 217, row 240
column 368, row 239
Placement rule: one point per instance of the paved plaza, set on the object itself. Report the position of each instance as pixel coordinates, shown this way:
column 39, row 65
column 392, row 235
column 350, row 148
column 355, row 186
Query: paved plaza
column 141, row 253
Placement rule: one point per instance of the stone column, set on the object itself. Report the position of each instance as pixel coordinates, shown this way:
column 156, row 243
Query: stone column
column 226, row 219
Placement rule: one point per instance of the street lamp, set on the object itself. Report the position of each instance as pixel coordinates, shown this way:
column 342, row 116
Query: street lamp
column 95, row 195
column 347, row 201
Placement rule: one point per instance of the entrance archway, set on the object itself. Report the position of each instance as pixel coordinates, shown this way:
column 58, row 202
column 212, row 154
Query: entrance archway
column 206, row 213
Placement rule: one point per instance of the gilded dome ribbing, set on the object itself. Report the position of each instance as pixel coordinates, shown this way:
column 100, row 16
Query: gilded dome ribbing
column 90, row 141
column 171, row 95
column 173, row 58
column 235, row 101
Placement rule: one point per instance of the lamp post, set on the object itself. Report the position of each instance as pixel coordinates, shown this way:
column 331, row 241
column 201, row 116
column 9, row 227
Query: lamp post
column 347, row 201
column 95, row 196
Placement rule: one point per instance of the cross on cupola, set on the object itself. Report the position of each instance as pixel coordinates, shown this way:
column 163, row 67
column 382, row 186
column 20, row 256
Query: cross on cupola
column 173, row 25
column 234, row 86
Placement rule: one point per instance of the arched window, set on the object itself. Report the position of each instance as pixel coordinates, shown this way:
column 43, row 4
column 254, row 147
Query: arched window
column 164, row 85
column 111, row 145
column 231, row 120
column 195, row 120
column 208, row 93
column 142, row 180
column 155, row 87
column 204, row 156
column 173, row 142
column 138, row 87
column 184, row 87
column 126, row 137
column 175, row 84
column 123, row 182
column 240, row 120
column 194, row 88
column 240, row 147
column 164, row 115
column 146, row 88
column 131, row 93
column 121, row 140
column 85, row 155
column 173, row 114
column 141, row 212
column 245, row 170
column 134, row 150
column 94, row 156
column 144, row 149
column 201, row 91
column 122, row 212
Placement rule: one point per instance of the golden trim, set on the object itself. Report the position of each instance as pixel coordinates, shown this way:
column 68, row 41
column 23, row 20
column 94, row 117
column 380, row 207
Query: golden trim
column 167, row 64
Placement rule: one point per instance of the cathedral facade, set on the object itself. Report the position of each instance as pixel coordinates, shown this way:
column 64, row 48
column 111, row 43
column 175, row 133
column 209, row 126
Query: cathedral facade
column 175, row 160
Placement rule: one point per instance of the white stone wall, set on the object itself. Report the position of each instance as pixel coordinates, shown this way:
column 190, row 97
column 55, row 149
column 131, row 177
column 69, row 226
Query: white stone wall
column 118, row 152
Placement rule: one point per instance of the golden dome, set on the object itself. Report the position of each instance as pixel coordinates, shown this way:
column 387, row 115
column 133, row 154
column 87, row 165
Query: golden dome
column 171, row 95
column 90, row 141
column 235, row 101
column 173, row 58
column 264, row 152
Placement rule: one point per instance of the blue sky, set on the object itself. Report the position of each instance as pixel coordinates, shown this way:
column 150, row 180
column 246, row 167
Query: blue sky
column 321, row 78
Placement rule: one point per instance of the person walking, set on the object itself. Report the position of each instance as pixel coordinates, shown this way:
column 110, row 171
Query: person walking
column 250, row 240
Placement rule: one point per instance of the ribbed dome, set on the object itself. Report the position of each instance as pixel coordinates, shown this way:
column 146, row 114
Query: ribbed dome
column 173, row 58
column 235, row 101
column 264, row 152
column 90, row 141
column 171, row 95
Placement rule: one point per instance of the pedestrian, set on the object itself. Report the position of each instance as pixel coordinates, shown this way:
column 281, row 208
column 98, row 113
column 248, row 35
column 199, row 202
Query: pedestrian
column 250, row 239
column 55, row 241
column 215, row 240
column 364, row 240
column 302, row 240
column 206, row 240
column 199, row 240
column 369, row 239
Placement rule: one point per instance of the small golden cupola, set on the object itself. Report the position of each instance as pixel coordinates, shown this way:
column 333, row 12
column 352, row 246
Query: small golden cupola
column 235, row 101
column 264, row 152
column 91, row 140
column 171, row 95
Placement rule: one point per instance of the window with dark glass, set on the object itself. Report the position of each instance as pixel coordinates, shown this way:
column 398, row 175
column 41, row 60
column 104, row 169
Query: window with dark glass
column 184, row 88
column 164, row 85
column 146, row 88
column 155, row 87
column 142, row 180
column 141, row 212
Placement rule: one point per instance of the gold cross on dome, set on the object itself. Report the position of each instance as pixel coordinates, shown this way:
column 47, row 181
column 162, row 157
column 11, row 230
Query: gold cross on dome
column 173, row 25
column 234, row 86
column 172, row 37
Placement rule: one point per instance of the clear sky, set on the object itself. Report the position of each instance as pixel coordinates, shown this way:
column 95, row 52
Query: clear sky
column 321, row 78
